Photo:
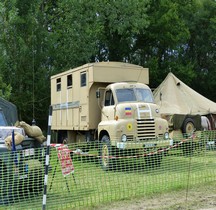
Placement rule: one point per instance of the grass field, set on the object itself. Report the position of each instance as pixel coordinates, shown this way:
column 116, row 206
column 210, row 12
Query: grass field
column 130, row 179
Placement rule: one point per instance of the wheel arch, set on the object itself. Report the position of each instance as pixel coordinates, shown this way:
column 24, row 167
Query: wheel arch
column 102, row 133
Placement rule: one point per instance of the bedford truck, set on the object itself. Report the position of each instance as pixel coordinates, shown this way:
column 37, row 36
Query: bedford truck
column 109, row 103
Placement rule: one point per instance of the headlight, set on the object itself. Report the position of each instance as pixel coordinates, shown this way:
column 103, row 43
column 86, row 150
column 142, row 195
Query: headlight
column 124, row 138
column 166, row 135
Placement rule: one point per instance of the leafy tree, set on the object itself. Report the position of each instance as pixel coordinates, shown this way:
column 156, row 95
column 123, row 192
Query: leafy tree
column 5, row 89
column 74, row 29
column 201, row 46
column 158, row 47
column 86, row 31
column 121, row 22
column 24, row 54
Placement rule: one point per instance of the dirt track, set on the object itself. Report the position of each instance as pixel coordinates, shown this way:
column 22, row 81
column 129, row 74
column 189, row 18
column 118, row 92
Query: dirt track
column 203, row 198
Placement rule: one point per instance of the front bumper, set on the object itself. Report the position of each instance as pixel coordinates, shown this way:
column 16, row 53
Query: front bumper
column 143, row 144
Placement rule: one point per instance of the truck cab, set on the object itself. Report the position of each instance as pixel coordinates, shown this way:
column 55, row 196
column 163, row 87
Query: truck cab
column 129, row 115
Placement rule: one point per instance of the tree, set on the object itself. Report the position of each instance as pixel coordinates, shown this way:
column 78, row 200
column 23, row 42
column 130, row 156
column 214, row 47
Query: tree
column 159, row 46
column 5, row 89
column 121, row 22
column 95, row 30
column 24, row 44
column 201, row 47
column 74, row 29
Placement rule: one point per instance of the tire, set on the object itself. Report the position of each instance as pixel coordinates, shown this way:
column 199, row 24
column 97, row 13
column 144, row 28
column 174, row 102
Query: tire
column 153, row 161
column 105, row 153
column 188, row 148
column 36, row 182
column 6, row 192
column 3, row 182
column 9, row 190
column 188, row 127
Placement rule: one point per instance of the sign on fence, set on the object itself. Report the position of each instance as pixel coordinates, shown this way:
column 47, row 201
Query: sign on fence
column 65, row 160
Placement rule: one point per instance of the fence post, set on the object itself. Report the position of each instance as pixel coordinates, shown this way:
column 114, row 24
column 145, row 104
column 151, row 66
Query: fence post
column 47, row 158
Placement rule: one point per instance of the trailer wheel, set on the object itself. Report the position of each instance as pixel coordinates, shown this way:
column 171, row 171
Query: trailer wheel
column 187, row 129
column 105, row 153
column 188, row 126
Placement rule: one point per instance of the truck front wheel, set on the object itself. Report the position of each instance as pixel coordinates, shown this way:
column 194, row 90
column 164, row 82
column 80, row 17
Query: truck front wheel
column 105, row 153
column 153, row 160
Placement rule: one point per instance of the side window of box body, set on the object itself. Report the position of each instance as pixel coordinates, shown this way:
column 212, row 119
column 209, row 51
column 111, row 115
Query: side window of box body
column 83, row 79
column 58, row 84
column 69, row 81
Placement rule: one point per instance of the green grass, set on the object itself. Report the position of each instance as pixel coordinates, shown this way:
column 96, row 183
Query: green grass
column 130, row 179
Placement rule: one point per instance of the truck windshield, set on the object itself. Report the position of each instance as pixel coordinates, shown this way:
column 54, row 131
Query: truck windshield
column 134, row 94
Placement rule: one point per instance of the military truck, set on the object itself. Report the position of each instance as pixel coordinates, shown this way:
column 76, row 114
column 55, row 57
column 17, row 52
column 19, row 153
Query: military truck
column 21, row 165
column 109, row 103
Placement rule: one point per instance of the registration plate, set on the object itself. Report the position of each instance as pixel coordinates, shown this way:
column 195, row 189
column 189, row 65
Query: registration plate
column 28, row 152
column 149, row 145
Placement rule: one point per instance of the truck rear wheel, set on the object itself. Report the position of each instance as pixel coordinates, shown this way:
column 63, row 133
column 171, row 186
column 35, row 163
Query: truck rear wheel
column 105, row 153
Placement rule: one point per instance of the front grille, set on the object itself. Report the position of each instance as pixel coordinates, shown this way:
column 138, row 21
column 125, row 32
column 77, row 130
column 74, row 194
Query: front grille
column 145, row 129
column 130, row 137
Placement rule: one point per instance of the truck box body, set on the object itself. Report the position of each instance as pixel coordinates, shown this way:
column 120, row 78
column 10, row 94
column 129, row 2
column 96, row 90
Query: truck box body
column 75, row 106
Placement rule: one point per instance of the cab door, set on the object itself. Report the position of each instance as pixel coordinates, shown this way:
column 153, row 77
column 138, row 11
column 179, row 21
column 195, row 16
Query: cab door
column 108, row 110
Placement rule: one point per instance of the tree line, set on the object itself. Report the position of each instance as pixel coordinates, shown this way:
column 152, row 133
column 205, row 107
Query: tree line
column 41, row 38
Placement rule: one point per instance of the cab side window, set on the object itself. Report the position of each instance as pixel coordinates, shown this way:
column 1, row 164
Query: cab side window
column 109, row 100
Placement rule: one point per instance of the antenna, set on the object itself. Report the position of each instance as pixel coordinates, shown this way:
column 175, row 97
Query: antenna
column 33, row 79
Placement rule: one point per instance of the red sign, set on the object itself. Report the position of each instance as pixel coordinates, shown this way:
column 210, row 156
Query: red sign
column 65, row 160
